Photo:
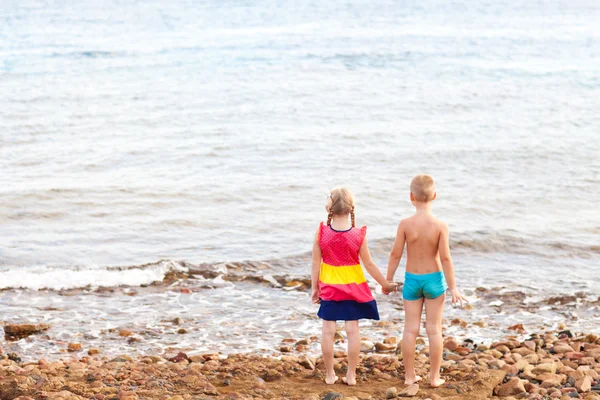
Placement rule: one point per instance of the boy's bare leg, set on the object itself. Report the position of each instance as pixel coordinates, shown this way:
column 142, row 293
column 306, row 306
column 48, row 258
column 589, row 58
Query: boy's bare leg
column 433, row 325
column 327, row 349
column 353, row 351
column 412, row 324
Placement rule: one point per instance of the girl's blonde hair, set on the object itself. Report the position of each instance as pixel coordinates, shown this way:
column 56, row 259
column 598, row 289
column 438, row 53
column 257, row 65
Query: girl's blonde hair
column 342, row 203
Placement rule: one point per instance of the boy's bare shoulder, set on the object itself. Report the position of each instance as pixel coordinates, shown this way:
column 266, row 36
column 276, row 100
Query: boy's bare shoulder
column 443, row 226
column 405, row 222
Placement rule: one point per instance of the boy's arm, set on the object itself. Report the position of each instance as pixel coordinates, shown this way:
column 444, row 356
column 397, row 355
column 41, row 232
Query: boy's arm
column 396, row 254
column 448, row 265
column 315, row 270
column 372, row 269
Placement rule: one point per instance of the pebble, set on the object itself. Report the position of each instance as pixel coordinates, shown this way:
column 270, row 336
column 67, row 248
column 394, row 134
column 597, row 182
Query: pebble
column 333, row 396
column 391, row 393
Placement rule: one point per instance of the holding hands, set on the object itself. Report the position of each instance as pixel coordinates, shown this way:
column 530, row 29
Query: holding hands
column 389, row 287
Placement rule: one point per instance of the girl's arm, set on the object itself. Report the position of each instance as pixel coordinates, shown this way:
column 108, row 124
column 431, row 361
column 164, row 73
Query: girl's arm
column 372, row 269
column 448, row 265
column 396, row 254
column 315, row 269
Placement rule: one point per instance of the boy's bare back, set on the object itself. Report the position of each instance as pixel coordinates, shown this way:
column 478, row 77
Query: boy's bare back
column 423, row 234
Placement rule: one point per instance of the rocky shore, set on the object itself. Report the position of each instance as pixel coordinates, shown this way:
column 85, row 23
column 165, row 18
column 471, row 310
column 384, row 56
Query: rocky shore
column 556, row 365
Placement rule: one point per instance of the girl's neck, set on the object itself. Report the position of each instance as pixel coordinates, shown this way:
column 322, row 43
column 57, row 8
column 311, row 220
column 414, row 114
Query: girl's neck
column 340, row 222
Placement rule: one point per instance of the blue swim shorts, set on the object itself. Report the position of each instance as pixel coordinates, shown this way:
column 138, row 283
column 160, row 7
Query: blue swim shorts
column 430, row 286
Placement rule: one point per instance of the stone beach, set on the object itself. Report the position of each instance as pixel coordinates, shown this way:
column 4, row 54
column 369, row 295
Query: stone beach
column 547, row 365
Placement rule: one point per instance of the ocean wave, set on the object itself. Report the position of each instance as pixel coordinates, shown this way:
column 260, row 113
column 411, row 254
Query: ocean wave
column 75, row 277
column 286, row 272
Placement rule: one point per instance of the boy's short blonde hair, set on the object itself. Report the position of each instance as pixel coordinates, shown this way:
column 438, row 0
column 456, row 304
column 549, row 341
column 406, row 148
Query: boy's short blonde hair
column 423, row 188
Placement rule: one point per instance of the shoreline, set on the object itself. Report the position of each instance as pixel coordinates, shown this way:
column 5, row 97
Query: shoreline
column 547, row 365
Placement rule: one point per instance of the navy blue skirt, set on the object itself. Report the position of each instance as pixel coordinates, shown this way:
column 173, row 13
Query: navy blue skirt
column 347, row 310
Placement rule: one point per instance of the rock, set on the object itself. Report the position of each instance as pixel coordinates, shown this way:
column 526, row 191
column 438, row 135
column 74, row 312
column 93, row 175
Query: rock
column 179, row 357
column 521, row 364
column 561, row 348
column 93, row 351
column 496, row 364
column 410, row 391
column 382, row 347
column 286, row 349
column 19, row 331
column 544, row 368
column 451, row 344
column 363, row 396
column 72, row 347
column 584, row 384
column 366, row 346
column 182, row 331
column 391, row 393
column 306, row 363
column 125, row 333
column 550, row 380
column 390, row 340
column 333, row 396
column 511, row 388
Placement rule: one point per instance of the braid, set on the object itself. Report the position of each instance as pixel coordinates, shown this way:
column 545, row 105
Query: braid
column 352, row 215
column 329, row 217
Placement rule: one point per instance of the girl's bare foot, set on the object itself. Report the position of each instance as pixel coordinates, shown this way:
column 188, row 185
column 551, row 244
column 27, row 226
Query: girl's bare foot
column 331, row 380
column 437, row 382
column 349, row 380
column 410, row 381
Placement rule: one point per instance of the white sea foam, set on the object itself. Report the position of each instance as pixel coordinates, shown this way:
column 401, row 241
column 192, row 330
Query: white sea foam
column 58, row 278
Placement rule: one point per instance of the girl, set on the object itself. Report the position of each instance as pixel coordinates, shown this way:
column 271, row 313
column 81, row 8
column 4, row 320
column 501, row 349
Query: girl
column 338, row 281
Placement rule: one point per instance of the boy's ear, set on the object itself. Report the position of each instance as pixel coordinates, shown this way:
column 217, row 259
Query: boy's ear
column 412, row 197
column 434, row 196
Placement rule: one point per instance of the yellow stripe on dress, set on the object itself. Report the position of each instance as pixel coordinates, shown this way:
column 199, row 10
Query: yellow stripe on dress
column 332, row 275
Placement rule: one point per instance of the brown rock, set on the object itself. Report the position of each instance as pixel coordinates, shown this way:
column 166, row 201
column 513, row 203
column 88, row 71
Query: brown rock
column 574, row 355
column 93, row 351
column 511, row 388
column 451, row 344
column 410, row 391
column 285, row 349
column 561, row 348
column 19, row 331
column 545, row 368
column 125, row 333
column 390, row 340
column 179, row 357
column 72, row 347
column 391, row 393
column 584, row 384
column 382, row 347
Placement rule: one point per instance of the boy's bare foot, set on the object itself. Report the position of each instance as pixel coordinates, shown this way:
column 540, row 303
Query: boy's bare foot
column 349, row 380
column 331, row 380
column 410, row 381
column 437, row 382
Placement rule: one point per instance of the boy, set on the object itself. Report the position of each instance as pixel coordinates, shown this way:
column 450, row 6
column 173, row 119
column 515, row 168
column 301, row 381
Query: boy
column 428, row 253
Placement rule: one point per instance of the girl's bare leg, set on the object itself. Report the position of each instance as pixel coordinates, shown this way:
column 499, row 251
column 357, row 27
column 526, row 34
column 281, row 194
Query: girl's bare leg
column 433, row 325
column 412, row 323
column 353, row 351
column 327, row 349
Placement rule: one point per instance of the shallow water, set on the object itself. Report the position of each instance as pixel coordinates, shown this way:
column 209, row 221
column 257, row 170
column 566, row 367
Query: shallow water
column 211, row 133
